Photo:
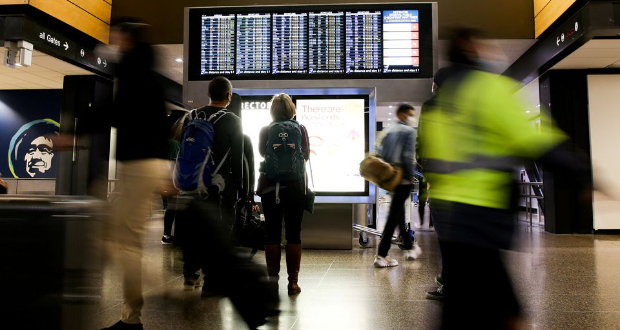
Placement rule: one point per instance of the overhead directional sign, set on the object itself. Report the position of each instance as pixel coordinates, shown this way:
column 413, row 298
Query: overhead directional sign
column 52, row 42
column 88, row 57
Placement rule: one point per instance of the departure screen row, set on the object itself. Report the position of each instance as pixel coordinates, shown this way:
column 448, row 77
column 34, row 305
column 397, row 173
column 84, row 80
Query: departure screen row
column 323, row 42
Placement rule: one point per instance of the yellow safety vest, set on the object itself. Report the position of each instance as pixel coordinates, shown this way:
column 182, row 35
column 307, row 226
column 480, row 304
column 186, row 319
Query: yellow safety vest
column 475, row 136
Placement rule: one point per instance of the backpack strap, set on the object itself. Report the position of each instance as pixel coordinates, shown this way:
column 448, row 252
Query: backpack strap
column 217, row 116
column 217, row 169
column 278, row 192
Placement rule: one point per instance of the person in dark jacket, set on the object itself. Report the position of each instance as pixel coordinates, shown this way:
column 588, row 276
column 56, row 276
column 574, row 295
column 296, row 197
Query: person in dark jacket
column 290, row 208
column 139, row 115
column 224, row 191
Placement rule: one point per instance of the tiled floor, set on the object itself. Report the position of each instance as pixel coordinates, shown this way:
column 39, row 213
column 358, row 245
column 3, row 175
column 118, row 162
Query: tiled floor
column 565, row 282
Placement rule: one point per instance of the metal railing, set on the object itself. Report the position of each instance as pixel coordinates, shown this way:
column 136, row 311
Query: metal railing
column 527, row 194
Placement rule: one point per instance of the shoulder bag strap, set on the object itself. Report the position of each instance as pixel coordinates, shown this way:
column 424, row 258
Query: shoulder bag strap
column 217, row 169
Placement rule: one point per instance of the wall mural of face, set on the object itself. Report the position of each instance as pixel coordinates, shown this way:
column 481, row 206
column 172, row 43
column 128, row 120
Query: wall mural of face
column 31, row 153
column 39, row 156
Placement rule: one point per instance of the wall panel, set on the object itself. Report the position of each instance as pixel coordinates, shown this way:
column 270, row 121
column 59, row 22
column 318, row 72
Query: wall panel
column 539, row 5
column 78, row 17
column 549, row 14
column 98, row 8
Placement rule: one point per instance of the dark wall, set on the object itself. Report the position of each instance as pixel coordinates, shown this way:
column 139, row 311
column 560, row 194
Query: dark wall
column 22, row 112
column 568, row 208
column 500, row 19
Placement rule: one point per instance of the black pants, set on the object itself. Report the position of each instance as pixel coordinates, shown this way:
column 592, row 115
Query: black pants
column 169, row 215
column 290, row 210
column 205, row 236
column 396, row 217
column 478, row 290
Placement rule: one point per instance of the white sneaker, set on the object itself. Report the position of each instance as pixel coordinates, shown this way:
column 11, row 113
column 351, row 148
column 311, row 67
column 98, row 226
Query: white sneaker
column 414, row 253
column 382, row 262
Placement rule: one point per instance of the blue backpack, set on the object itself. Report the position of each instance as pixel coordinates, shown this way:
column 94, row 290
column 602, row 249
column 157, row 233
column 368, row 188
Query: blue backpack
column 195, row 167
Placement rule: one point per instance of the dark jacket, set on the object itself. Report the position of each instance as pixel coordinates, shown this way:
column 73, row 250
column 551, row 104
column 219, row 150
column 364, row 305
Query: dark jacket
column 228, row 135
column 138, row 111
column 266, row 185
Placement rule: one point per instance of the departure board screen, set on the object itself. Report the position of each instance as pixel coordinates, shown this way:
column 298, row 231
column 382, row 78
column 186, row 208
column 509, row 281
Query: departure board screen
column 312, row 42
column 326, row 42
column 217, row 53
column 363, row 42
column 253, row 53
column 401, row 41
column 290, row 43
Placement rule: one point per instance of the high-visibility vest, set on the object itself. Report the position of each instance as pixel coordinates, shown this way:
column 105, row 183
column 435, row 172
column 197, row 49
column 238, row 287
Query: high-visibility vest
column 475, row 137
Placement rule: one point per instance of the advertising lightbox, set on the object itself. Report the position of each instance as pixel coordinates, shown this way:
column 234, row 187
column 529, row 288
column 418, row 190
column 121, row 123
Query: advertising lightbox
column 339, row 130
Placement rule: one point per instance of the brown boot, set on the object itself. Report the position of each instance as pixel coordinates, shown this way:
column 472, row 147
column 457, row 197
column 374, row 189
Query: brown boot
column 293, row 258
column 272, row 254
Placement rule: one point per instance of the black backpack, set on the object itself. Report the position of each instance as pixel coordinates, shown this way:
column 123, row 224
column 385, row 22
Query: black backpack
column 284, row 159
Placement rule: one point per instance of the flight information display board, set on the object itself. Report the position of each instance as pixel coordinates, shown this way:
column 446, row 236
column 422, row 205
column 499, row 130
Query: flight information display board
column 363, row 42
column 290, row 43
column 326, row 42
column 297, row 42
column 253, row 51
column 217, row 40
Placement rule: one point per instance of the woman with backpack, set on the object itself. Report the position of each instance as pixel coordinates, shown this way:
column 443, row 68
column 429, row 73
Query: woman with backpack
column 282, row 187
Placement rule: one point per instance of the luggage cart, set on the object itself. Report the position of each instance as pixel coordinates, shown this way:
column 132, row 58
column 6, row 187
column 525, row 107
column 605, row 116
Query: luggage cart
column 364, row 231
column 364, row 239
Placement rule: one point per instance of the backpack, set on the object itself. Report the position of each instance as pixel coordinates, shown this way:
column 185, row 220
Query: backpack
column 284, row 159
column 195, row 167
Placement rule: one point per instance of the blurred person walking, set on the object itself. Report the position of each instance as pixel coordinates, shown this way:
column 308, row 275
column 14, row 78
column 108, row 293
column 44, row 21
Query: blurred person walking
column 282, row 187
column 398, row 147
column 139, row 116
column 474, row 138
column 438, row 80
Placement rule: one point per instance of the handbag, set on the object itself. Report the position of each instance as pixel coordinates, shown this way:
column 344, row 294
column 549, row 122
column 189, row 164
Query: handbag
column 310, row 194
column 250, row 229
column 385, row 175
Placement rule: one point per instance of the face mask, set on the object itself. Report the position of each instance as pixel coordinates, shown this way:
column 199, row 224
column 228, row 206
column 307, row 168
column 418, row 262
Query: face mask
column 412, row 121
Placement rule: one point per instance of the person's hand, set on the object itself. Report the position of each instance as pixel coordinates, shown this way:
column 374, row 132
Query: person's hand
column 168, row 189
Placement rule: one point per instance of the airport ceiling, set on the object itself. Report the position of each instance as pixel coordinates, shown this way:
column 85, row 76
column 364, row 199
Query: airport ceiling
column 499, row 19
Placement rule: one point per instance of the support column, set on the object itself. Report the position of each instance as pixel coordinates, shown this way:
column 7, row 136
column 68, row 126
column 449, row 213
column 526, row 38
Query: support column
column 85, row 102
column 564, row 93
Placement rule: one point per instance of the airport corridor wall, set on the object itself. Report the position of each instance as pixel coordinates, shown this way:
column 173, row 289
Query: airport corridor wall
column 28, row 162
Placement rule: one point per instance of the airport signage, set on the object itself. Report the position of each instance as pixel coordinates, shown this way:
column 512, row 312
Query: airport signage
column 51, row 41
column 54, row 43
column 565, row 36
column 78, row 49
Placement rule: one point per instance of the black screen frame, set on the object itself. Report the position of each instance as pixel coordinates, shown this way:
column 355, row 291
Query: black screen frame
column 425, row 12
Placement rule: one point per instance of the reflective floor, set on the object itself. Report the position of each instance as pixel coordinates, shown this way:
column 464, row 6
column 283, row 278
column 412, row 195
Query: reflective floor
column 564, row 281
